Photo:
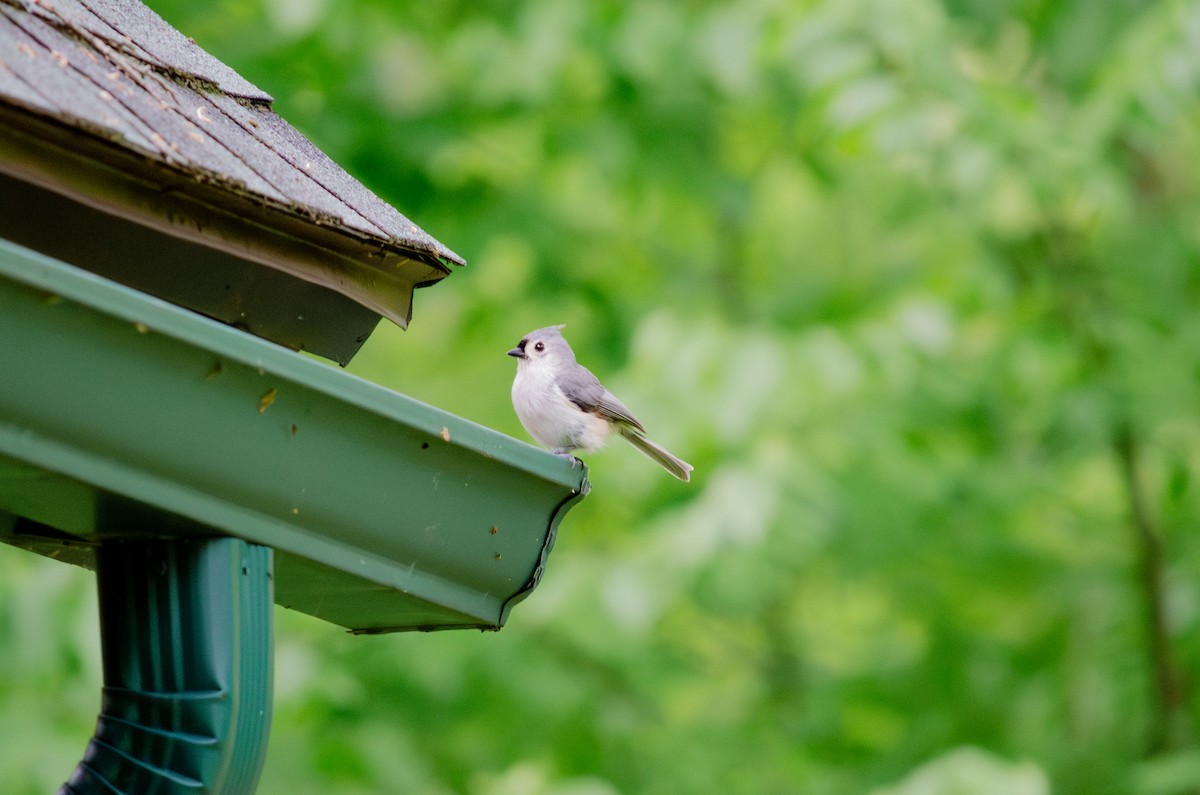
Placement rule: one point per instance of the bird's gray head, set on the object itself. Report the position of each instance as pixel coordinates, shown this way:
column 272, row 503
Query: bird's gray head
column 544, row 345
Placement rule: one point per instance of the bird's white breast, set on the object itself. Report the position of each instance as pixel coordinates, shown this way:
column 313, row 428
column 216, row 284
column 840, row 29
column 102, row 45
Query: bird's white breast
column 549, row 416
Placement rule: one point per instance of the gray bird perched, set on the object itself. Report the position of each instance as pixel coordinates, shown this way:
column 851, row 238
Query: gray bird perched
column 566, row 408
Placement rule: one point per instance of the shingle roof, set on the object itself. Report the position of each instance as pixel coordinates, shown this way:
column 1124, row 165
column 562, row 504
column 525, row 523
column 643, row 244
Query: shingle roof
column 114, row 84
column 125, row 75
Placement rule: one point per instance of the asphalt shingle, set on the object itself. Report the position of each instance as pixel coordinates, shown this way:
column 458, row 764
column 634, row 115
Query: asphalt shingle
column 115, row 70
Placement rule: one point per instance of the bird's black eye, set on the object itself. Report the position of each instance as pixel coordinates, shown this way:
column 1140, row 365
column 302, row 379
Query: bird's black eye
column 539, row 346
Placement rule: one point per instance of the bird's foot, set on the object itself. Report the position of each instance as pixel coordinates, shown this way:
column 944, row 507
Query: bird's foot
column 565, row 452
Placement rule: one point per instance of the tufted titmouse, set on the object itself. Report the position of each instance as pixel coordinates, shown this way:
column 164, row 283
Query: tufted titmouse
column 566, row 408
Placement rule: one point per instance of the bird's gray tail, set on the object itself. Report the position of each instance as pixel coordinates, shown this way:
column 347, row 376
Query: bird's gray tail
column 676, row 466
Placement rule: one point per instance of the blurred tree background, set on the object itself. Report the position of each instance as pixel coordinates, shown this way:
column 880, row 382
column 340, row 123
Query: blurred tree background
column 913, row 283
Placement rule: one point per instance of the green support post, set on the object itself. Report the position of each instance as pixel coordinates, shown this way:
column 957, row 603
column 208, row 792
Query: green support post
column 187, row 654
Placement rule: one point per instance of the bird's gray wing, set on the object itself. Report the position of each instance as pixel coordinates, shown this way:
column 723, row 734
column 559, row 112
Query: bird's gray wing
column 615, row 410
column 585, row 390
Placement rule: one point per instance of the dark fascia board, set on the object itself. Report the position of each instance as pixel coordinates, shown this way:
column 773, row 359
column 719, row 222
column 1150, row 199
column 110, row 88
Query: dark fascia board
column 119, row 182
column 124, row 416
column 265, row 302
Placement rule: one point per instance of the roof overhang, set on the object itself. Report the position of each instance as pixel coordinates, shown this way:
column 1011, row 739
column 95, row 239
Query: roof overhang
column 126, row 133
column 89, row 203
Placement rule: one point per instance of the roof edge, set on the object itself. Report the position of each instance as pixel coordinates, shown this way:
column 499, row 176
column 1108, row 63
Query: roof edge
column 110, row 178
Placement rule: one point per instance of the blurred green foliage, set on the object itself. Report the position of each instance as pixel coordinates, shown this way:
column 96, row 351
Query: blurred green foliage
column 912, row 283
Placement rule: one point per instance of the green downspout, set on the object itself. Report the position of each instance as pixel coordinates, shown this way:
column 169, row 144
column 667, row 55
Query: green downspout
column 187, row 654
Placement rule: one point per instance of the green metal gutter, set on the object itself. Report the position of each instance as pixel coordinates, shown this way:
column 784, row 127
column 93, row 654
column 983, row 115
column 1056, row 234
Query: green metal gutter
column 205, row 473
column 122, row 416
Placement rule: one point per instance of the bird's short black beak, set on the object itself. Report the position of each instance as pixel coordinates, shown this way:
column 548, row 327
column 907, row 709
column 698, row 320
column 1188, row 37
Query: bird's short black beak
column 518, row 352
